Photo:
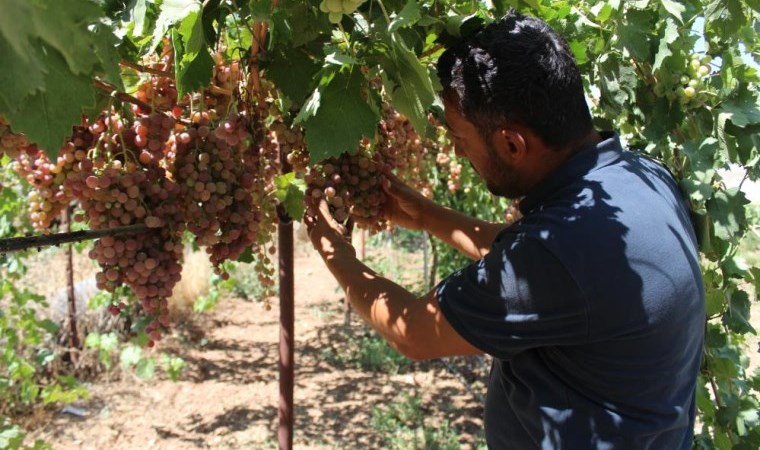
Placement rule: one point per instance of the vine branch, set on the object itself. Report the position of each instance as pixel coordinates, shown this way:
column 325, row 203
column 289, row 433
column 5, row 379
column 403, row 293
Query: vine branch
column 25, row 243
column 144, row 69
column 122, row 96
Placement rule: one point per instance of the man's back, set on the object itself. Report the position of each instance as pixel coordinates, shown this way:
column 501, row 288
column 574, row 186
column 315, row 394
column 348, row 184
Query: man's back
column 593, row 307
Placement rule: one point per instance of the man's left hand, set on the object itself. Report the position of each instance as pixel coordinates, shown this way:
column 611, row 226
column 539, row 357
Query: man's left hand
column 326, row 234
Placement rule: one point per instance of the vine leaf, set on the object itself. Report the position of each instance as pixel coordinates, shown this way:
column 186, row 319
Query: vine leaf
column 19, row 78
column 46, row 117
column 743, row 109
column 105, row 50
column 292, row 70
column 172, row 11
column 407, row 17
column 139, row 12
column 341, row 119
column 290, row 192
column 17, row 28
column 670, row 36
column 62, row 27
column 737, row 316
column 633, row 34
column 408, row 82
column 674, row 8
column 193, row 63
column 727, row 211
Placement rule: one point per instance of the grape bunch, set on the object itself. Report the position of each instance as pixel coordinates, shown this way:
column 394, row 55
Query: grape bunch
column 11, row 144
column 159, row 91
column 693, row 90
column 222, row 176
column 292, row 144
column 225, row 81
column 351, row 185
column 119, row 181
column 336, row 8
column 451, row 167
column 47, row 198
column 408, row 153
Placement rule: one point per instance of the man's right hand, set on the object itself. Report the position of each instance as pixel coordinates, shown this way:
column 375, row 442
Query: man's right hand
column 405, row 206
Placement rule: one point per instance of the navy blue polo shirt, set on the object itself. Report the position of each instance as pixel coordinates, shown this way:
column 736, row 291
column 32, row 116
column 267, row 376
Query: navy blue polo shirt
column 593, row 308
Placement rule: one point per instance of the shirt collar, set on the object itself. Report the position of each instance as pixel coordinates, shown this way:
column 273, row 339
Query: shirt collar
column 587, row 160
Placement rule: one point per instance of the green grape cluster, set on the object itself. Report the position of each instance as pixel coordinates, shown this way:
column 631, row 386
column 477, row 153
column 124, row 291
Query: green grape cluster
column 336, row 8
column 693, row 88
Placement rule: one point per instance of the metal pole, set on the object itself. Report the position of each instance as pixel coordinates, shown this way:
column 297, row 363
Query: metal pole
column 74, row 335
column 287, row 321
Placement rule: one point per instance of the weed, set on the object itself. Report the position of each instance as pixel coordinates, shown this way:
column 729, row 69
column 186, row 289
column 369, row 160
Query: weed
column 402, row 426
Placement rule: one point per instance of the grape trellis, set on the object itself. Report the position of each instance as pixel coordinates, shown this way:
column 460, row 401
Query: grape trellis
column 176, row 122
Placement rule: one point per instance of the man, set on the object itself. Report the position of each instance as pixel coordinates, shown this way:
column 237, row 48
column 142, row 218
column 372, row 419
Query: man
column 592, row 304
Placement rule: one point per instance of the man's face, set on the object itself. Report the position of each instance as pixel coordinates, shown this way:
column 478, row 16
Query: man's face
column 500, row 176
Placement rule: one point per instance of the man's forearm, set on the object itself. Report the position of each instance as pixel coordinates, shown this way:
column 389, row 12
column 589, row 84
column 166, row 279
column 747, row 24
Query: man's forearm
column 379, row 301
column 469, row 235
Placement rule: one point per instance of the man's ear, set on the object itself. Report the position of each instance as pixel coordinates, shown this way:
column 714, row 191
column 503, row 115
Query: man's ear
column 510, row 145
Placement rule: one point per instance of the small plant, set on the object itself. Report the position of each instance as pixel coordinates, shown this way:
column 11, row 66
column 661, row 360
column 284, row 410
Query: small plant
column 402, row 427
column 245, row 283
column 372, row 353
column 12, row 438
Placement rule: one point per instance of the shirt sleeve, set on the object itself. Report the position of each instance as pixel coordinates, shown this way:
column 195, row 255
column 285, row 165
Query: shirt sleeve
column 519, row 296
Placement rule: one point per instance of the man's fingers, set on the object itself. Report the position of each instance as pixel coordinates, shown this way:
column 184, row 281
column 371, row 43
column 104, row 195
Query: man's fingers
column 393, row 186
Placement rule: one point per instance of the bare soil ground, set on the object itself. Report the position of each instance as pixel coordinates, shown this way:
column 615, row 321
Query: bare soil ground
column 228, row 394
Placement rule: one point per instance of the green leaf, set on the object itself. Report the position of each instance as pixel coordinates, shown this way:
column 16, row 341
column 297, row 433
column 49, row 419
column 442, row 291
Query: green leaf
column 617, row 84
column 727, row 211
column 290, row 192
column 261, row 10
column 633, row 31
column 173, row 366
column 675, row 8
column 407, row 17
column 408, row 82
column 246, row 256
column 737, row 316
column 579, row 52
column 744, row 109
column 106, row 50
column 139, row 11
column 130, row 356
column 714, row 299
column 19, row 78
column 704, row 402
column 193, row 63
column 146, row 368
column 340, row 59
column 64, row 27
column 670, row 36
column 109, row 342
column 172, row 11
column 49, row 326
column 92, row 340
column 342, row 118
column 47, row 117
column 17, row 28
column 292, row 71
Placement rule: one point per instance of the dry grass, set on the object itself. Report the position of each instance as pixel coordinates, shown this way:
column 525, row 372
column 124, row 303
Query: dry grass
column 195, row 282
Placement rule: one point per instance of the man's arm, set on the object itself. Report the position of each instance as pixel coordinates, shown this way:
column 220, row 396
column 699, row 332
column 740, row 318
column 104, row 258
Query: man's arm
column 409, row 209
column 414, row 326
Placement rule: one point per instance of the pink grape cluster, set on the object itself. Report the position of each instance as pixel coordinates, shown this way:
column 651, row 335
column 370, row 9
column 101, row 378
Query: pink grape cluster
column 11, row 144
column 215, row 169
column 351, row 185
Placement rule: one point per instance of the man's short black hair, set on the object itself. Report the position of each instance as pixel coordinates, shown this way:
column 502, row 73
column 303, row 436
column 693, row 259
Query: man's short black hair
column 518, row 70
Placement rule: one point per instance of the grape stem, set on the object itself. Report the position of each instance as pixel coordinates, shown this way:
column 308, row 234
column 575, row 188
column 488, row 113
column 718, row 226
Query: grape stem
column 122, row 96
column 144, row 69
column 25, row 243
